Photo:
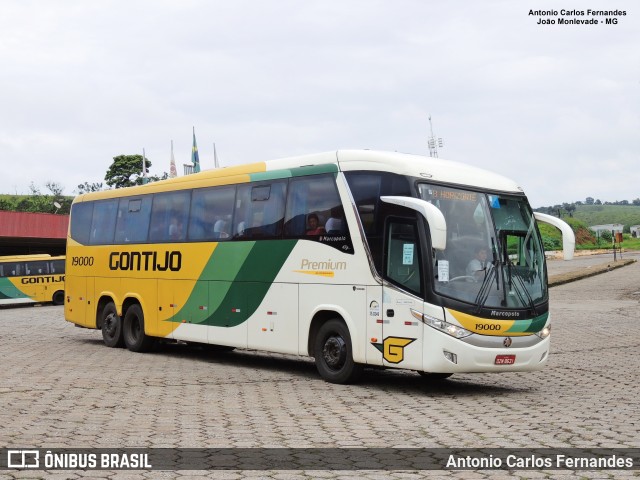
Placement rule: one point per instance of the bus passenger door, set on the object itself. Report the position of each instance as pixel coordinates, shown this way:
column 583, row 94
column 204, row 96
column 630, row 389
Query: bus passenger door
column 374, row 325
column 402, row 333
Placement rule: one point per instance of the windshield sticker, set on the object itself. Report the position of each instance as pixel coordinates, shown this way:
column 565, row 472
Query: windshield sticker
column 407, row 254
column 494, row 201
column 443, row 270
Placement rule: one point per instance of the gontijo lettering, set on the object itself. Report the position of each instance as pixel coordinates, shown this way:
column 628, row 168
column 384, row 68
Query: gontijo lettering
column 146, row 261
column 47, row 279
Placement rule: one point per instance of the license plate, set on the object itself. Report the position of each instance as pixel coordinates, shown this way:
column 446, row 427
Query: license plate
column 505, row 359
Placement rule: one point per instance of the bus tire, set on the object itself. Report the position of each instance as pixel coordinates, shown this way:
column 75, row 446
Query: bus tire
column 111, row 327
column 58, row 298
column 434, row 377
column 133, row 330
column 334, row 353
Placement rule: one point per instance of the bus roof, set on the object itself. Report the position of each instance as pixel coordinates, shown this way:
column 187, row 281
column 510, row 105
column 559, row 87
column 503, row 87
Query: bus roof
column 431, row 169
column 34, row 256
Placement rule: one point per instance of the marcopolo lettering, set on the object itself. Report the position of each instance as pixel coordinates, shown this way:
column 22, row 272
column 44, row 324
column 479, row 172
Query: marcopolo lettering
column 146, row 261
column 45, row 279
column 497, row 313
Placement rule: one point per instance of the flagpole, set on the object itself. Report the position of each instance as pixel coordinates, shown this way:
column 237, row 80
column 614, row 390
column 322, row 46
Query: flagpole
column 195, row 159
column 144, row 168
column 173, row 172
column 215, row 157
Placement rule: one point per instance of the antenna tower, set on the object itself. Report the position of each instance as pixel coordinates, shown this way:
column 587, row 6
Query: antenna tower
column 434, row 142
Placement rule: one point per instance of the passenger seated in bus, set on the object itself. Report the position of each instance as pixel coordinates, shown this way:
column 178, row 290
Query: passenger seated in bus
column 220, row 230
column 335, row 223
column 175, row 229
column 314, row 225
column 478, row 265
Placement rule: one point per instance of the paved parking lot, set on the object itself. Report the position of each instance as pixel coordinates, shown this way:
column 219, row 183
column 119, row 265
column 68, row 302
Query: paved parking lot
column 60, row 387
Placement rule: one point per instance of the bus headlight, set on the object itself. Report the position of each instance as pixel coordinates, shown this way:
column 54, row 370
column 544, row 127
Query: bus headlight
column 545, row 332
column 446, row 327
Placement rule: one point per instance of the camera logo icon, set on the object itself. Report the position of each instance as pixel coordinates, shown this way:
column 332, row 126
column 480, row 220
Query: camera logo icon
column 23, row 459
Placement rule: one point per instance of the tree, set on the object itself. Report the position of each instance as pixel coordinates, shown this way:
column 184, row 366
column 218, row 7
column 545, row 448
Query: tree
column 89, row 187
column 40, row 202
column 126, row 171
column 589, row 201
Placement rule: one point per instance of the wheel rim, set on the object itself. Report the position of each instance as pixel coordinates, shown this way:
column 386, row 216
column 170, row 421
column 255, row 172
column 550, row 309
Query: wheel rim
column 110, row 325
column 334, row 352
column 135, row 329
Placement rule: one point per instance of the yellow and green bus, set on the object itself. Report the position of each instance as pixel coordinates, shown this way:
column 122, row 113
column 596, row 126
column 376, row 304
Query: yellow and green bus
column 356, row 258
column 32, row 279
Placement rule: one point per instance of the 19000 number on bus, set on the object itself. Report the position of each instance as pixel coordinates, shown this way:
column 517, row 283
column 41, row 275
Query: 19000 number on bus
column 82, row 261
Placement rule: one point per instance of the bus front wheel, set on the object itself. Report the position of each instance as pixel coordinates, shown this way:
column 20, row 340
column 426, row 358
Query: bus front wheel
column 133, row 330
column 111, row 327
column 334, row 353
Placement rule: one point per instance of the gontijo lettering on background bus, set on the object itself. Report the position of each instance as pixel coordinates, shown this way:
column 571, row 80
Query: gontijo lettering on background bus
column 321, row 256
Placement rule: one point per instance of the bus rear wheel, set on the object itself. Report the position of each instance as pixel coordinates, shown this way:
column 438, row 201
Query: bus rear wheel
column 133, row 330
column 111, row 327
column 334, row 354
column 58, row 298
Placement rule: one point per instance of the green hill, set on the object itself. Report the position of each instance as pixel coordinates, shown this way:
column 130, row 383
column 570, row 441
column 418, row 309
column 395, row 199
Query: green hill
column 627, row 215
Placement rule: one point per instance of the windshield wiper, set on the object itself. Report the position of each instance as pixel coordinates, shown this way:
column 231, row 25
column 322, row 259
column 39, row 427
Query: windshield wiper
column 518, row 277
column 483, row 293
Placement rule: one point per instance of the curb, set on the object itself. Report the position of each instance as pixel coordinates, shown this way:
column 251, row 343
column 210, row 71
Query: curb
column 563, row 278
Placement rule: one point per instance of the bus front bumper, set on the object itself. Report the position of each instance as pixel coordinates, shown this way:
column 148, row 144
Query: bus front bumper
column 446, row 354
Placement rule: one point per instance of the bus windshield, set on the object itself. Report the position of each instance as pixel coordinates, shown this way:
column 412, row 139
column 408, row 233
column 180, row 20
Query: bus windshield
column 494, row 257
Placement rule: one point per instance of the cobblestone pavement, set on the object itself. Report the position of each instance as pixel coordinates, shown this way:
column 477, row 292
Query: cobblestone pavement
column 61, row 387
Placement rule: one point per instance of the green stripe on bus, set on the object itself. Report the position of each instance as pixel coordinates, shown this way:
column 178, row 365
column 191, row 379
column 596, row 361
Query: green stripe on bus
column 252, row 283
column 532, row 325
column 9, row 290
column 314, row 170
column 237, row 277
column 538, row 322
column 294, row 172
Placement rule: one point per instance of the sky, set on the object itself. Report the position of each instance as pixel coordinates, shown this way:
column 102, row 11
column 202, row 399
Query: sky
column 554, row 107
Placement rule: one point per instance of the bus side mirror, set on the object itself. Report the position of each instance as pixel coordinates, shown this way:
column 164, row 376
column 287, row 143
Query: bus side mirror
column 435, row 218
column 568, row 237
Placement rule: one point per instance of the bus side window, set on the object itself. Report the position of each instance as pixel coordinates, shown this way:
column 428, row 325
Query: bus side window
column 57, row 266
column 211, row 213
column 169, row 216
column 259, row 210
column 133, row 219
column 317, row 195
column 81, row 215
column 403, row 265
column 104, row 222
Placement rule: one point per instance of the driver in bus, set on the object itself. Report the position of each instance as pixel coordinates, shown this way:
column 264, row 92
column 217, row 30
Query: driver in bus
column 477, row 267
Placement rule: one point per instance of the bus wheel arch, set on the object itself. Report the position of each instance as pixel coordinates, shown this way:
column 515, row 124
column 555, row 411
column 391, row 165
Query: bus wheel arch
column 133, row 327
column 332, row 348
column 58, row 297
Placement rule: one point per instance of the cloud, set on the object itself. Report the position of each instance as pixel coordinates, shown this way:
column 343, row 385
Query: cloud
column 548, row 106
